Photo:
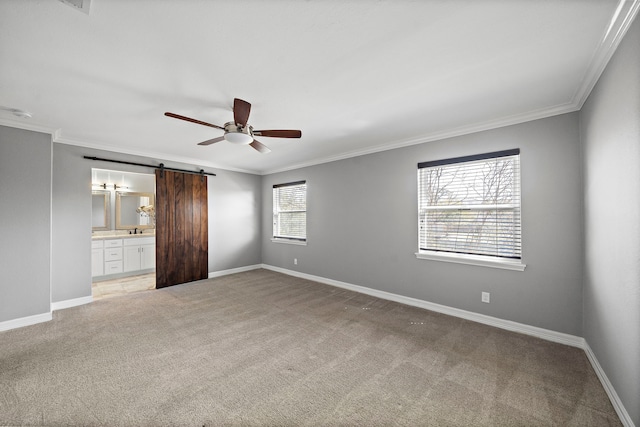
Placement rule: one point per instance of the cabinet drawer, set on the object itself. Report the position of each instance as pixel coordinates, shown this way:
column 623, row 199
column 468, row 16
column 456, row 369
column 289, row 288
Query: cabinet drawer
column 113, row 243
column 97, row 244
column 112, row 267
column 112, row 254
column 137, row 241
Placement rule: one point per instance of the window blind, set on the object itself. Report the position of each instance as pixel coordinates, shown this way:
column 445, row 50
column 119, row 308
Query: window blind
column 290, row 211
column 471, row 205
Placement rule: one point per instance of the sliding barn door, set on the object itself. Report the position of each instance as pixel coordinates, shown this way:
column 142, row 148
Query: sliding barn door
column 181, row 228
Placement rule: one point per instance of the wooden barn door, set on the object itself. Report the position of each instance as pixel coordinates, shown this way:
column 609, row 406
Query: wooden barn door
column 181, row 228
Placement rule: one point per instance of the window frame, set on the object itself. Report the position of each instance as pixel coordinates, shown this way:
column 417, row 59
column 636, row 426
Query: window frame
column 510, row 263
column 288, row 239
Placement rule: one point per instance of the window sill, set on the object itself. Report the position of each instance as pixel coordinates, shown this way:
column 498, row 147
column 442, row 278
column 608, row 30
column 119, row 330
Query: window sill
column 290, row 242
column 483, row 261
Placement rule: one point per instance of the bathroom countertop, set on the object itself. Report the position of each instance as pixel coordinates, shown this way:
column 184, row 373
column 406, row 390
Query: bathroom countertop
column 121, row 236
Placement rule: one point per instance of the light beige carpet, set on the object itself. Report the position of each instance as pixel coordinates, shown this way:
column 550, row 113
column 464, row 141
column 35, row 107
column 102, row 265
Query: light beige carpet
column 262, row 348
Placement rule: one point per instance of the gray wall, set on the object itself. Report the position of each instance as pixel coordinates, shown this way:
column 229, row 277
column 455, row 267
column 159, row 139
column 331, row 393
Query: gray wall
column 234, row 220
column 362, row 227
column 46, row 219
column 71, row 268
column 610, row 128
column 233, row 216
column 25, row 223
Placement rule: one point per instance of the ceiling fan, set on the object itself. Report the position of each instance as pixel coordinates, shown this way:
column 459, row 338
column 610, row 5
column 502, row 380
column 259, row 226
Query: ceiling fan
column 238, row 131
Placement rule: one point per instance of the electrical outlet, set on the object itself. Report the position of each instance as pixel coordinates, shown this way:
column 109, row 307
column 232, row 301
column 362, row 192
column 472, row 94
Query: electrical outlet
column 486, row 297
column 295, row 261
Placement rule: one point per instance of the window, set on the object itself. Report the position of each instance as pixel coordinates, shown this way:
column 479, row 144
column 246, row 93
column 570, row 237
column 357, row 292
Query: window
column 290, row 212
column 469, row 209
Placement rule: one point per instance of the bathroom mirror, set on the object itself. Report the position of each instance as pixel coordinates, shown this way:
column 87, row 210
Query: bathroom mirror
column 134, row 210
column 100, row 208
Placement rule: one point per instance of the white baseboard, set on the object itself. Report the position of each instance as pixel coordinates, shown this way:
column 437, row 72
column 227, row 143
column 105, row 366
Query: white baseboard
column 25, row 321
column 221, row 273
column 60, row 305
column 545, row 334
column 624, row 416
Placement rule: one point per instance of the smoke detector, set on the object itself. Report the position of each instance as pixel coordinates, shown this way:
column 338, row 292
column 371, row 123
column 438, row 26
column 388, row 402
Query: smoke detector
column 81, row 5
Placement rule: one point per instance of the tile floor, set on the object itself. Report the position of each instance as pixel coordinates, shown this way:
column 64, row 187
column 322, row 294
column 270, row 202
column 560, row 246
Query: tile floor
column 123, row 285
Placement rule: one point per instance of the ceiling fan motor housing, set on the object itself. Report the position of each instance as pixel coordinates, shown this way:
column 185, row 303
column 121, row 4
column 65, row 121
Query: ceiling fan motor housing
column 238, row 134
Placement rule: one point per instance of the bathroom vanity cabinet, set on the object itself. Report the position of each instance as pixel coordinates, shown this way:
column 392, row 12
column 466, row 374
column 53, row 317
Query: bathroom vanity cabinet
column 124, row 256
column 139, row 253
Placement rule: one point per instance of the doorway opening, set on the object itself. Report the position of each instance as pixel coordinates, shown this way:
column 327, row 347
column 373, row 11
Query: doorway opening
column 123, row 234
column 123, row 285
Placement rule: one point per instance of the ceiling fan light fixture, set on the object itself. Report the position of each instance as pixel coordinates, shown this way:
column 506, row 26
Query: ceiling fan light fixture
column 238, row 138
column 239, row 132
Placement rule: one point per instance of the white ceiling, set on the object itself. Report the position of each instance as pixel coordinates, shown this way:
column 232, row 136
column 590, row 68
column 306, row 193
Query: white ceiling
column 356, row 76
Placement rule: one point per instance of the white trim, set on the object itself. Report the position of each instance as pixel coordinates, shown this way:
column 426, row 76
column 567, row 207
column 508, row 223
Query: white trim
column 50, row 222
column 439, row 135
column 150, row 154
column 61, row 305
column 25, row 321
column 620, row 23
column 221, row 273
column 618, row 26
column 289, row 241
column 26, row 125
column 482, row 261
column 624, row 416
column 546, row 334
column 508, row 325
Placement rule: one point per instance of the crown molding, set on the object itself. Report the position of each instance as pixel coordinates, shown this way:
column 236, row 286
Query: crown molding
column 148, row 154
column 437, row 136
column 618, row 26
column 56, row 136
column 24, row 124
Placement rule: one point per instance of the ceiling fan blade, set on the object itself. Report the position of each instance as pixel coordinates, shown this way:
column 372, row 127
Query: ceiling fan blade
column 260, row 147
column 241, row 110
column 282, row 133
column 212, row 141
column 189, row 119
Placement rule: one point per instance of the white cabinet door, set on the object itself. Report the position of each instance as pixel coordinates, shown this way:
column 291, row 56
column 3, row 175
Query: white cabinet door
column 97, row 262
column 147, row 256
column 131, row 258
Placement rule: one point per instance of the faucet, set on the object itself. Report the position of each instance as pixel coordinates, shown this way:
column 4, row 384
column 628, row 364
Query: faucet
column 135, row 231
